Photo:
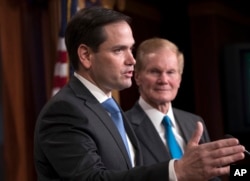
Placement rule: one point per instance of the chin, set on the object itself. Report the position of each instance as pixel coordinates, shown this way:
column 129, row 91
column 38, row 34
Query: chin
column 164, row 100
column 125, row 86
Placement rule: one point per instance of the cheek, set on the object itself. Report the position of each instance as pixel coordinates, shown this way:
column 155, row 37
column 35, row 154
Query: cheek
column 138, row 79
column 147, row 85
column 145, row 82
column 178, row 84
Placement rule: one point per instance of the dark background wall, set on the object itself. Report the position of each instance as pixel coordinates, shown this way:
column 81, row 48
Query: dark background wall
column 201, row 29
column 1, row 123
column 28, row 36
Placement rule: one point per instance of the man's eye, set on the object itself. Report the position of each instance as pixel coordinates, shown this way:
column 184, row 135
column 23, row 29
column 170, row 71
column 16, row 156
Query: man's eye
column 154, row 71
column 118, row 50
column 171, row 72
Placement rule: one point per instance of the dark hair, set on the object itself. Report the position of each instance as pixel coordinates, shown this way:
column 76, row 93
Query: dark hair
column 86, row 27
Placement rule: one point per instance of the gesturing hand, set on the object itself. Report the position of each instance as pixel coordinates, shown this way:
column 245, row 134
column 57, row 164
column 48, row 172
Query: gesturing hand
column 208, row 160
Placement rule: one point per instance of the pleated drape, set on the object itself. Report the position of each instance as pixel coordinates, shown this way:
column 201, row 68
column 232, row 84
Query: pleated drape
column 28, row 37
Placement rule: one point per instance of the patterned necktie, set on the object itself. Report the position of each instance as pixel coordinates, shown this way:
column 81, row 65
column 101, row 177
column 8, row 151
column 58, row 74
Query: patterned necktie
column 174, row 147
column 111, row 107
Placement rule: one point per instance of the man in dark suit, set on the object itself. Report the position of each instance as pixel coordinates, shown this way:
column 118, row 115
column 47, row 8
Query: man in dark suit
column 154, row 149
column 75, row 137
column 158, row 71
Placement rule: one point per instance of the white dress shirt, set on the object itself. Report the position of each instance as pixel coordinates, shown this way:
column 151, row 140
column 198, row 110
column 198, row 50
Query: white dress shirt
column 101, row 97
column 156, row 118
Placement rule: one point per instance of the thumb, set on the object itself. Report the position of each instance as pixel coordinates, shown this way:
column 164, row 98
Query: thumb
column 195, row 139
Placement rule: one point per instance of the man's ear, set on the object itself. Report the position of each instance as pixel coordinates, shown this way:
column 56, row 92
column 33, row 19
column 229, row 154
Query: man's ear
column 83, row 52
column 137, row 78
column 179, row 81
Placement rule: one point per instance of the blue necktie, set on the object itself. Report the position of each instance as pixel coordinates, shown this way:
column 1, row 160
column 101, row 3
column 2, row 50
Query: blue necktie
column 111, row 107
column 173, row 146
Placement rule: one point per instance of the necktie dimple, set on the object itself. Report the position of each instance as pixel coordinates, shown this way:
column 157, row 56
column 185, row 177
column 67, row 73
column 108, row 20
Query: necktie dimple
column 174, row 147
column 111, row 107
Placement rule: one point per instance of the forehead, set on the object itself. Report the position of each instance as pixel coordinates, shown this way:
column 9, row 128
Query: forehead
column 162, row 58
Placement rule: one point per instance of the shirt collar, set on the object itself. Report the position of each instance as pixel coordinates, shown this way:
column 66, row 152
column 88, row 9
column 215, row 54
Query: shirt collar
column 96, row 91
column 155, row 115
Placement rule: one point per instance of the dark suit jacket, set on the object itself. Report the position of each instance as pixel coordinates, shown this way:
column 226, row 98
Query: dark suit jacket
column 75, row 139
column 153, row 149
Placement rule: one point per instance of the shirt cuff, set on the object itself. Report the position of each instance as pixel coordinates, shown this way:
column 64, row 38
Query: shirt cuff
column 172, row 175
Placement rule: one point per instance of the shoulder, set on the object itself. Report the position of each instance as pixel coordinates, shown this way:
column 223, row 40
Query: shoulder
column 187, row 115
column 135, row 109
column 136, row 114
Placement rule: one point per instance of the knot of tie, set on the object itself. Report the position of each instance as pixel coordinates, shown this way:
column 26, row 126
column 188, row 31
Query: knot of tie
column 111, row 106
column 167, row 121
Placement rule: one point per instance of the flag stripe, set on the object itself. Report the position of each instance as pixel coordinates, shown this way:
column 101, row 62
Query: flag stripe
column 61, row 45
column 61, row 70
column 60, row 81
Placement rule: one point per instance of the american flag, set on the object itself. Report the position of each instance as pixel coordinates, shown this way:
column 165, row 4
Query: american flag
column 61, row 70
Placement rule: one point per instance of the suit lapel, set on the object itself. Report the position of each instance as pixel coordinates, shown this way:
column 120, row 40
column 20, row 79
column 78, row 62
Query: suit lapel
column 91, row 102
column 108, row 122
column 148, row 135
column 134, row 141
